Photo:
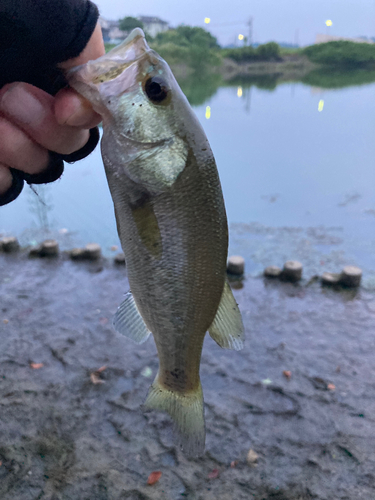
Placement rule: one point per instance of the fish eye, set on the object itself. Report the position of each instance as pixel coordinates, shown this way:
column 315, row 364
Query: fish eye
column 156, row 89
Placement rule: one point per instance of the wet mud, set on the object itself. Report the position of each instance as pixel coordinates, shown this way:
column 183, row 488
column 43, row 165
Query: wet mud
column 71, row 426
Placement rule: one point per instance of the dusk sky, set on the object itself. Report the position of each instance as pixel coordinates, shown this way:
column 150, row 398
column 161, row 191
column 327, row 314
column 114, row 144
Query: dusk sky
column 279, row 20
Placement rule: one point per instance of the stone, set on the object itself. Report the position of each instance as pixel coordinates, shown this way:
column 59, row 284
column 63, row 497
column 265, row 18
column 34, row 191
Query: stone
column 120, row 259
column 272, row 272
column 236, row 265
column 35, row 251
column 9, row 244
column 330, row 278
column 351, row 276
column 49, row 248
column 92, row 251
column 292, row 271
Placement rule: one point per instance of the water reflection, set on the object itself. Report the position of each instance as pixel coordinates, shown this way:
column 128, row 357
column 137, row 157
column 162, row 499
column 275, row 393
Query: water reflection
column 338, row 79
column 200, row 87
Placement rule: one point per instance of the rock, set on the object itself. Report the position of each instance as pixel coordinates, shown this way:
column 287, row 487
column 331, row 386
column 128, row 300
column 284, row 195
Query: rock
column 120, row 259
column 292, row 271
column 236, row 265
column 77, row 253
column 351, row 276
column 272, row 272
column 49, row 248
column 92, row 251
column 9, row 244
column 35, row 251
column 330, row 278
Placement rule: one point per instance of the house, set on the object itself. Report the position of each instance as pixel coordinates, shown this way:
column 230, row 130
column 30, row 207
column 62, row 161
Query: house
column 111, row 31
column 153, row 25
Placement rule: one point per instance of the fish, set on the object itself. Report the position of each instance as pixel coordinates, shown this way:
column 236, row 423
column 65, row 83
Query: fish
column 171, row 221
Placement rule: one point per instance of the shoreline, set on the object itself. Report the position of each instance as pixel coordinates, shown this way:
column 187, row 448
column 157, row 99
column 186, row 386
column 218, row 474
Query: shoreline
column 292, row 66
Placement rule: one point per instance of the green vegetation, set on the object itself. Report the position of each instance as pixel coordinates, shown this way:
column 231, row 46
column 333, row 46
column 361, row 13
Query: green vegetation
column 266, row 52
column 129, row 23
column 193, row 46
column 342, row 54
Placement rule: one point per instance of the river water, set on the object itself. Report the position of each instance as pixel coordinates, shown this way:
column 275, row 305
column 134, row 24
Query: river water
column 297, row 165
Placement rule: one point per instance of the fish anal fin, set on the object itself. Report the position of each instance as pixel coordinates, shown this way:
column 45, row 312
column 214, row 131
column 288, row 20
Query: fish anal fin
column 227, row 328
column 129, row 322
column 187, row 413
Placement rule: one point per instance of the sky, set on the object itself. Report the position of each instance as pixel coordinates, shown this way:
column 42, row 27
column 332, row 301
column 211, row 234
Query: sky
column 279, row 20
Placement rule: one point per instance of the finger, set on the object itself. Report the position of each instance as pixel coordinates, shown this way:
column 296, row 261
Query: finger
column 93, row 50
column 74, row 110
column 31, row 109
column 17, row 150
column 6, row 179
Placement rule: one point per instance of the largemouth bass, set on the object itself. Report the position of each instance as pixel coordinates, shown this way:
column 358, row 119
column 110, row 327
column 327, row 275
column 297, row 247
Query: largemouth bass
column 171, row 222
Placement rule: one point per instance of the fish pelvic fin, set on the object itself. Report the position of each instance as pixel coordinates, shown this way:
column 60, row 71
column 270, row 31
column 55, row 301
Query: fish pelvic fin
column 227, row 328
column 129, row 322
column 187, row 413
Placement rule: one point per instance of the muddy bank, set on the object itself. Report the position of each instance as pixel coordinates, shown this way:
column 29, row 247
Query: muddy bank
column 64, row 437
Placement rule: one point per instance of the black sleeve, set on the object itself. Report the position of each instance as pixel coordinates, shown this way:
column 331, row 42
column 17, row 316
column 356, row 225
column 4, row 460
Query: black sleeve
column 36, row 35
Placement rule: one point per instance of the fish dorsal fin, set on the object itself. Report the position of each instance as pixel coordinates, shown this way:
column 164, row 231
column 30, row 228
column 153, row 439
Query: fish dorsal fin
column 129, row 322
column 227, row 328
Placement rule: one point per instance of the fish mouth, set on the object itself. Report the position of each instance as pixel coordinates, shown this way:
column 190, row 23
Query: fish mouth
column 112, row 64
column 148, row 145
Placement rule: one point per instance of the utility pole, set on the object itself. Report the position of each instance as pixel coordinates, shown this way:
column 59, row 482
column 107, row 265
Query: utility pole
column 250, row 37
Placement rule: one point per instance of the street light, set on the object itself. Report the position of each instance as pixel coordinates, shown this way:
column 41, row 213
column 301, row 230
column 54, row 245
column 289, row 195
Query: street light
column 240, row 37
column 328, row 22
column 207, row 20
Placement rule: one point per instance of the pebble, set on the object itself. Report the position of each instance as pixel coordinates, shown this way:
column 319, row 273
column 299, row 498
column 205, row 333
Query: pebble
column 330, row 278
column 236, row 265
column 272, row 272
column 49, row 248
column 292, row 271
column 252, row 458
column 9, row 244
column 351, row 276
column 120, row 259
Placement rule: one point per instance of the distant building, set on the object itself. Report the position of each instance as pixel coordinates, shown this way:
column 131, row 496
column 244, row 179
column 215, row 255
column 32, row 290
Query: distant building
column 320, row 38
column 111, row 32
column 153, row 25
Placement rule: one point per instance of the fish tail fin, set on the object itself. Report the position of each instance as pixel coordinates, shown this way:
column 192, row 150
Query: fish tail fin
column 186, row 411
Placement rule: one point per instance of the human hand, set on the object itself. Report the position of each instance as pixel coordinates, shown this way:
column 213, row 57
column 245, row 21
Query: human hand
column 32, row 122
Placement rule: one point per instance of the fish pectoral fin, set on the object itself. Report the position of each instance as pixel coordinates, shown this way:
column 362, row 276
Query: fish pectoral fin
column 227, row 328
column 186, row 411
column 129, row 322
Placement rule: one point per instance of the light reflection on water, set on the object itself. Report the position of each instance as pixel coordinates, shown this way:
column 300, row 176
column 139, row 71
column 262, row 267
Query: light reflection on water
column 284, row 161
